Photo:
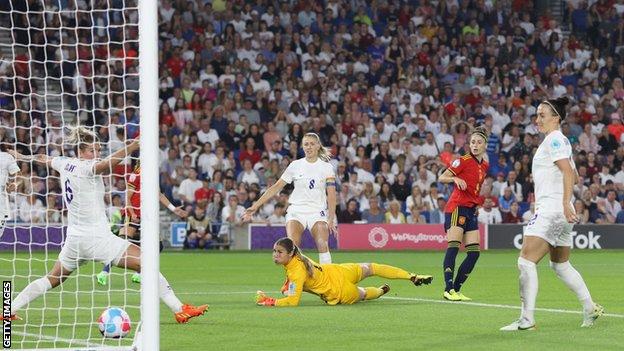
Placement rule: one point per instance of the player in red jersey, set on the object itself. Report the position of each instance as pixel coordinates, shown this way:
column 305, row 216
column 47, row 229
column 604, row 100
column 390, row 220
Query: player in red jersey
column 131, row 219
column 468, row 173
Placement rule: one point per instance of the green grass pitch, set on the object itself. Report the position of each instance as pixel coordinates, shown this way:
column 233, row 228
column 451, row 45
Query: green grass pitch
column 408, row 318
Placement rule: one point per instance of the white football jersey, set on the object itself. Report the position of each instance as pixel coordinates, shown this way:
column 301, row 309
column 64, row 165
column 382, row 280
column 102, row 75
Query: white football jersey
column 309, row 181
column 83, row 194
column 547, row 177
column 8, row 167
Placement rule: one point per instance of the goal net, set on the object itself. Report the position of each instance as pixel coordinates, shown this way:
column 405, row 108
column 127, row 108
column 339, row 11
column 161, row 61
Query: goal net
column 66, row 63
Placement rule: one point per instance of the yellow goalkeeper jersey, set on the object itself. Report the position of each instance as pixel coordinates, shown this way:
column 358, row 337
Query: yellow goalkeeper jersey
column 333, row 283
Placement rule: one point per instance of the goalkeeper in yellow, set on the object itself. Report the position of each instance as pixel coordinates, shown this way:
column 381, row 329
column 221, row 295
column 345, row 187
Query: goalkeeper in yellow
column 333, row 283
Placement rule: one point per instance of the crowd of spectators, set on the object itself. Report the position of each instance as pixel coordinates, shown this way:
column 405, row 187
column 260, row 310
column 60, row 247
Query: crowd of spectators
column 392, row 87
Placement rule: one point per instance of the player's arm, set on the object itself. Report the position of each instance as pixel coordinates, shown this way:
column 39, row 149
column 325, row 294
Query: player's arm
column 106, row 165
column 297, row 280
column 129, row 194
column 14, row 181
column 177, row 210
column 41, row 158
column 449, row 177
column 268, row 194
column 331, row 204
column 569, row 178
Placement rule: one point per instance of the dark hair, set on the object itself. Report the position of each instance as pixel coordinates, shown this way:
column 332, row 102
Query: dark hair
column 294, row 251
column 482, row 132
column 558, row 106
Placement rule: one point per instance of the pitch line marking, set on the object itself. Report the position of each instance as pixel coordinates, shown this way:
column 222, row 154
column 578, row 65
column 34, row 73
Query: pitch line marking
column 479, row 304
column 476, row 304
column 58, row 339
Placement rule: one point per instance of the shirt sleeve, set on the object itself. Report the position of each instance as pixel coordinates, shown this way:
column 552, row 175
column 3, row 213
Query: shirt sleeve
column 297, row 277
column 559, row 147
column 287, row 176
column 58, row 163
column 329, row 174
column 457, row 166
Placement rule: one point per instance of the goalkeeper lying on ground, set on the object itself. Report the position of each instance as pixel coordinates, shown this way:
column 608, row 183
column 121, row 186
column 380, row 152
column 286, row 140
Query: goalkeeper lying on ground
column 333, row 283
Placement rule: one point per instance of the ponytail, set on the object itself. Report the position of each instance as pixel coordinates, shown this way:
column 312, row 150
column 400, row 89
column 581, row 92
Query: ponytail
column 324, row 153
column 294, row 251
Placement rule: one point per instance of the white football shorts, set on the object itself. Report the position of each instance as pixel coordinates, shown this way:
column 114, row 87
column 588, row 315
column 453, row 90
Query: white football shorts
column 550, row 226
column 102, row 246
column 307, row 217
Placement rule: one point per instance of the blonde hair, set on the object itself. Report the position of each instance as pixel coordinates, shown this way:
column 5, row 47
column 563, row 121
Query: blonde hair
column 323, row 152
column 81, row 137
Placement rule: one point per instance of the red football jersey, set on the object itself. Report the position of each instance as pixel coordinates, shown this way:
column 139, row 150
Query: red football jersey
column 473, row 173
column 134, row 183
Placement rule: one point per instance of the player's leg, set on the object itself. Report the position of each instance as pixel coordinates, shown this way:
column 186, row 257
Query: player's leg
column 372, row 293
column 454, row 235
column 294, row 230
column 391, row 272
column 560, row 263
column 54, row 278
column 471, row 243
column 102, row 277
column 131, row 259
column 534, row 248
column 320, row 234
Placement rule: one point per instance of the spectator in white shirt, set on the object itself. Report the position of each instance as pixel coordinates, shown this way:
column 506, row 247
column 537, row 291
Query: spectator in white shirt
column 513, row 184
column 248, row 175
column 619, row 178
column 188, row 186
column 612, row 206
column 31, row 209
column 207, row 134
column 529, row 214
column 231, row 215
column 489, row 214
column 606, row 175
column 278, row 216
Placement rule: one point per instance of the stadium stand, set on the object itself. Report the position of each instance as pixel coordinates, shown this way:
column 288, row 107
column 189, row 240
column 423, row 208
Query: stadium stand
column 392, row 89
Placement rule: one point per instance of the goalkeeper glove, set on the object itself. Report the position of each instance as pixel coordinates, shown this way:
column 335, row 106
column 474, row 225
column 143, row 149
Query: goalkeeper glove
column 263, row 300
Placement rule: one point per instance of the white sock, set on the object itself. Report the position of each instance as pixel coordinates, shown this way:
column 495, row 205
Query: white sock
column 528, row 288
column 30, row 292
column 324, row 257
column 167, row 295
column 573, row 280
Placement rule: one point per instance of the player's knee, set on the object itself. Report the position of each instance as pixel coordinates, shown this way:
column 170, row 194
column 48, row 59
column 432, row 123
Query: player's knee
column 473, row 250
column 367, row 269
column 559, row 267
column 524, row 264
column 321, row 245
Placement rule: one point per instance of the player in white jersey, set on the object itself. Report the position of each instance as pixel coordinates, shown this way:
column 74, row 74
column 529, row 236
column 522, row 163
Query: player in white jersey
column 88, row 232
column 312, row 203
column 548, row 232
column 8, row 173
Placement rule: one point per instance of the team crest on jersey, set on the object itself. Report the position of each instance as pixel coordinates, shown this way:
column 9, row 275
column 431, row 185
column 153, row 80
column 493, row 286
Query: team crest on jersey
column 455, row 163
column 555, row 144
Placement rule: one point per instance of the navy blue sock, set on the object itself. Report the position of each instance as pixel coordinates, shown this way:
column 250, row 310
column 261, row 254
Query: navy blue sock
column 106, row 268
column 472, row 255
column 193, row 243
column 449, row 263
